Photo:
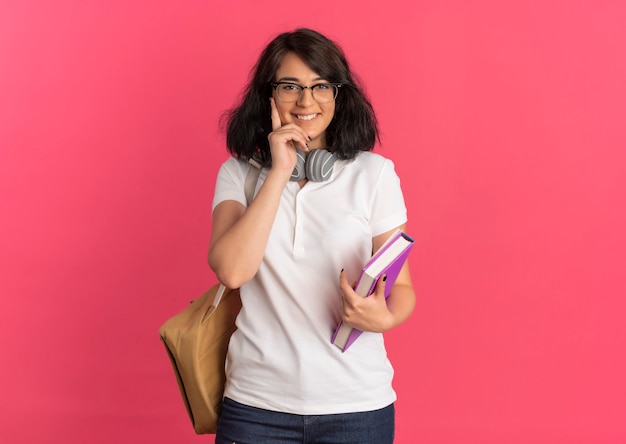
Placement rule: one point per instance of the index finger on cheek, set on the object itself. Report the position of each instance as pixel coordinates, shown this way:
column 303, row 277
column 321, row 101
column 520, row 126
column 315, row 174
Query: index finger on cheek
column 276, row 124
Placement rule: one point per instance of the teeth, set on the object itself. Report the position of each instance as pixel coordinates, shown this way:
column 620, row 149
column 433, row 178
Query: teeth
column 309, row 117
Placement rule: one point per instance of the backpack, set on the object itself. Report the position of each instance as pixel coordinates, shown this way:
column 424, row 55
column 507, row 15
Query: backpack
column 196, row 340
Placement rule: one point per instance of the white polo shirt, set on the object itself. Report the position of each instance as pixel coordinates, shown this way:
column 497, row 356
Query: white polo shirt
column 281, row 358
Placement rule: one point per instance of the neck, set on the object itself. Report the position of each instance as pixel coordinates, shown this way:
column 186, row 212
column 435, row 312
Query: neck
column 317, row 143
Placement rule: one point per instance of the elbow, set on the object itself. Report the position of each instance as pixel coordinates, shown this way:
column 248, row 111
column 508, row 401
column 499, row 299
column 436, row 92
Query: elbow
column 231, row 270
column 229, row 278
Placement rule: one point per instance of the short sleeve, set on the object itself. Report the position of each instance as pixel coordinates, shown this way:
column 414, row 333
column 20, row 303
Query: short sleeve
column 388, row 207
column 230, row 182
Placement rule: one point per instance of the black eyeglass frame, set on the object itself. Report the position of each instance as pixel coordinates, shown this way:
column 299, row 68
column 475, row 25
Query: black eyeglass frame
column 336, row 86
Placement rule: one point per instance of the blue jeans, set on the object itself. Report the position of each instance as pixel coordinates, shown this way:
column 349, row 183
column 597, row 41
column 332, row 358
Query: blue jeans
column 242, row 424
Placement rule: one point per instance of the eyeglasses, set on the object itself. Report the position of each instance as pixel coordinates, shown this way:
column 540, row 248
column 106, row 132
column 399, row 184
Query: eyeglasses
column 292, row 92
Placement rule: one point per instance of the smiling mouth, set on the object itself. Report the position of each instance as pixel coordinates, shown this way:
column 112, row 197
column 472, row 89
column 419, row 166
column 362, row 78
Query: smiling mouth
column 307, row 117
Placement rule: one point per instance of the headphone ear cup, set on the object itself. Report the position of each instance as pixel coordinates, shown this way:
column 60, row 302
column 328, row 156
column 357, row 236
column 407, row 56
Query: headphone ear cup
column 299, row 171
column 319, row 165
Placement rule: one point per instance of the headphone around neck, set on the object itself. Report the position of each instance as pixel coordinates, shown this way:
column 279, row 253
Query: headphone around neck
column 317, row 166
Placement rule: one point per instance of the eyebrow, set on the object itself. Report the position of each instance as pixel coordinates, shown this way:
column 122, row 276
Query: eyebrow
column 295, row 79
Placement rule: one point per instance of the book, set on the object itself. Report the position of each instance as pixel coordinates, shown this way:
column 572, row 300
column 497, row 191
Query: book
column 388, row 260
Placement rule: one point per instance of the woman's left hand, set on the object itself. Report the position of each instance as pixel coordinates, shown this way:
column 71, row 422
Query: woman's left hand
column 365, row 313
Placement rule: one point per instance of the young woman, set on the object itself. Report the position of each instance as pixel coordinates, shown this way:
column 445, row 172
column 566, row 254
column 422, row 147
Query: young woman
column 324, row 203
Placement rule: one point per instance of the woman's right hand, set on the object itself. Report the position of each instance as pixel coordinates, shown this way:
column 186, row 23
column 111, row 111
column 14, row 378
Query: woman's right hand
column 239, row 235
column 283, row 139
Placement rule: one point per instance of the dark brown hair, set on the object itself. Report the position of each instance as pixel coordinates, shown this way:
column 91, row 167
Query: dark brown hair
column 354, row 126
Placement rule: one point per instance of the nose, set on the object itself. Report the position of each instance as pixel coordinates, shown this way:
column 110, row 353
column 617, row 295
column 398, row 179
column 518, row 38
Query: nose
column 306, row 98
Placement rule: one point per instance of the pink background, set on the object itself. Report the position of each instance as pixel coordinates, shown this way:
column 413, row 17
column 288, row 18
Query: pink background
column 506, row 121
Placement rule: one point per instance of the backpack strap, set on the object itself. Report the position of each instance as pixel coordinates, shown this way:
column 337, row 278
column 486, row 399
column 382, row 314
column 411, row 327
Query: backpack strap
column 251, row 179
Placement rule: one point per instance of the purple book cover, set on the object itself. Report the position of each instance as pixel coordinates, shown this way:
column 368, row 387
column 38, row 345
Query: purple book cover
column 366, row 283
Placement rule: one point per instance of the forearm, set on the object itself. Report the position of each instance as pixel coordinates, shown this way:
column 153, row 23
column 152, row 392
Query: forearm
column 400, row 303
column 238, row 244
